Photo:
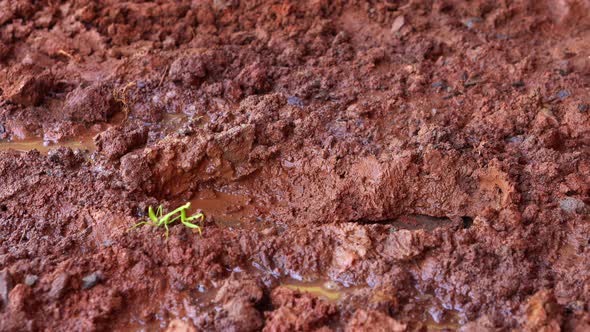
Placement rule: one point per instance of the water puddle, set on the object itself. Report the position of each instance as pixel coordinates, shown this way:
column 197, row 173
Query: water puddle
column 228, row 210
column 435, row 317
column 449, row 322
column 452, row 325
column 186, row 305
column 170, row 123
column 328, row 290
column 83, row 142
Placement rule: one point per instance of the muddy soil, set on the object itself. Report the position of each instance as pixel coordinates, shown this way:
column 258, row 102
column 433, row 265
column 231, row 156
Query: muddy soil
column 362, row 165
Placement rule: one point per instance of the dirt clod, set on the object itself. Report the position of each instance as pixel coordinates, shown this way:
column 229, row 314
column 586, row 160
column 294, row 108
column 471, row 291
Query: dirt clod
column 59, row 286
column 373, row 321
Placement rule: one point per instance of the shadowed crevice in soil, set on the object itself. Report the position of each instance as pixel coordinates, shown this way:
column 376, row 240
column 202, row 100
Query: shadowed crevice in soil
column 411, row 222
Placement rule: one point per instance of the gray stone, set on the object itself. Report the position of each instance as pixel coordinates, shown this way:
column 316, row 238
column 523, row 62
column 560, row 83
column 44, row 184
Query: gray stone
column 562, row 94
column 470, row 22
column 91, row 280
column 31, row 279
column 572, row 205
column 292, row 100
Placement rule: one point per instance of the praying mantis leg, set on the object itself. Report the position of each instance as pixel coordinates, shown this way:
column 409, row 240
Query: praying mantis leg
column 138, row 225
column 167, row 232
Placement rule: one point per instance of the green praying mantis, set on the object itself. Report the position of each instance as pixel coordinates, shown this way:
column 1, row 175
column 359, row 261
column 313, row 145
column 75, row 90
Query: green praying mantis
column 158, row 218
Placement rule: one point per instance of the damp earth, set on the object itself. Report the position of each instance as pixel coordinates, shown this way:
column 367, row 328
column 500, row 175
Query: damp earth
column 408, row 165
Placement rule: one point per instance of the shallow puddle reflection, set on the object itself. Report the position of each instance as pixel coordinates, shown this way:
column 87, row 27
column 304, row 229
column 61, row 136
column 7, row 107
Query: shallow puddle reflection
column 82, row 142
column 228, row 210
column 328, row 290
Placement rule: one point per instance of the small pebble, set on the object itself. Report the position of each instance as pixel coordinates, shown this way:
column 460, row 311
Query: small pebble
column 516, row 139
column 107, row 243
column 292, row 100
column 31, row 279
column 398, row 23
column 471, row 82
column 583, row 108
column 572, row 205
column 562, row 94
column 470, row 22
column 331, row 285
column 439, row 84
column 91, row 280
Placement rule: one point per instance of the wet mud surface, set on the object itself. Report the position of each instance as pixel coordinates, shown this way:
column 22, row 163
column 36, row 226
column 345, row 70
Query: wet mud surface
column 364, row 165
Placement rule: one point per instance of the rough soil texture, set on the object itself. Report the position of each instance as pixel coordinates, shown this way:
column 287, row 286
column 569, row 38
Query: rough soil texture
column 429, row 158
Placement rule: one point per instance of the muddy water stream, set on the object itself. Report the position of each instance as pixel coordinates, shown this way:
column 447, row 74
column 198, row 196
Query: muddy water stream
column 326, row 289
column 84, row 141
column 228, row 210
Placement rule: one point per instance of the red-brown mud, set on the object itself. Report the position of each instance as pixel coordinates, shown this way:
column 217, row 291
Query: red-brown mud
column 428, row 159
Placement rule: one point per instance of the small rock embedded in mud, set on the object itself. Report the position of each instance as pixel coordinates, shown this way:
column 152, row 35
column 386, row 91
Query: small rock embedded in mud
column 31, row 279
column 572, row 205
column 562, row 94
column 5, row 287
column 292, row 100
column 107, row 243
column 472, row 82
column 515, row 139
column 583, row 108
column 340, row 38
column 439, row 84
column 398, row 23
column 91, row 280
column 59, row 286
column 470, row 22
